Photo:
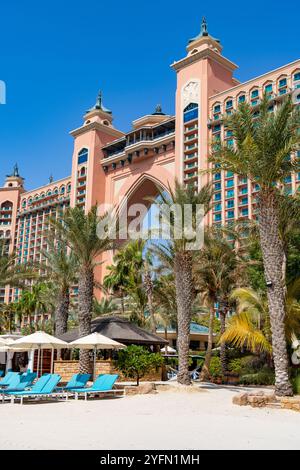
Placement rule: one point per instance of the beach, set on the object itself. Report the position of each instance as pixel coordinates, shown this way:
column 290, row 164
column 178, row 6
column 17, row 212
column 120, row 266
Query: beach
column 204, row 419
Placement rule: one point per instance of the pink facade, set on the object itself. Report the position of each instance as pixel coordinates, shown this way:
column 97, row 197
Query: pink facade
column 109, row 165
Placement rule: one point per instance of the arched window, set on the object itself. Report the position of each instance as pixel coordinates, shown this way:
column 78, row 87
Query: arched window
column 190, row 112
column 83, row 156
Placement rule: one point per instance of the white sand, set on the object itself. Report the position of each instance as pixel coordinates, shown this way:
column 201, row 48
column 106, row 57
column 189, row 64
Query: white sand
column 167, row 420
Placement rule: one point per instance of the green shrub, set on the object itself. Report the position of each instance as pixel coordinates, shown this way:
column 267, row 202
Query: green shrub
column 264, row 377
column 136, row 361
column 235, row 366
column 296, row 385
column 215, row 367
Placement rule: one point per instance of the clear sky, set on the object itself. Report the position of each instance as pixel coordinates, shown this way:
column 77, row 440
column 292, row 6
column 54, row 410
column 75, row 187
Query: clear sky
column 55, row 55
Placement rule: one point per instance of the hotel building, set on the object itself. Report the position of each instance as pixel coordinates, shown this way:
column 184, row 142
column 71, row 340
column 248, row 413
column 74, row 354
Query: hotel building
column 108, row 164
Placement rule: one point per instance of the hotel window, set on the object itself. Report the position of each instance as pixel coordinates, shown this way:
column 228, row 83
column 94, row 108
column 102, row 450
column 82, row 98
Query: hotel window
column 254, row 102
column 244, row 200
column 244, row 212
column 216, row 128
column 229, row 184
column 296, row 76
column 230, row 204
column 229, row 104
column 217, row 176
column 217, row 186
column 282, row 91
column 254, row 94
column 218, row 207
column 83, row 156
column 242, row 99
column 217, row 197
column 269, row 89
column 282, row 83
column 190, row 112
column 217, row 109
column 230, row 215
column 229, row 174
column 230, row 193
column 217, row 217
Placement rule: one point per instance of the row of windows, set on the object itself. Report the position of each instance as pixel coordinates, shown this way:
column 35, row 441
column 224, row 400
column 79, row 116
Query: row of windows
column 254, row 94
column 38, row 197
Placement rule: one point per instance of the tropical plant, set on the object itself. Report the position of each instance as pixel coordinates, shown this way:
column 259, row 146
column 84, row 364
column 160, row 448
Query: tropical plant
column 104, row 307
column 34, row 301
column 182, row 262
column 61, row 268
column 12, row 273
column 220, row 265
column 250, row 328
column 263, row 145
column 136, row 361
column 81, row 235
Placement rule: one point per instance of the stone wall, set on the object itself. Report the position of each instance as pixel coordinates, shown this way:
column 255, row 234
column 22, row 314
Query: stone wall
column 66, row 369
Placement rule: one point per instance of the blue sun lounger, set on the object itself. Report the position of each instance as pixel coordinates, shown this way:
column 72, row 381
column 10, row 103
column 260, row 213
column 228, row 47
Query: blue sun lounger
column 103, row 384
column 44, row 387
column 1, row 373
column 11, row 379
column 77, row 381
column 25, row 381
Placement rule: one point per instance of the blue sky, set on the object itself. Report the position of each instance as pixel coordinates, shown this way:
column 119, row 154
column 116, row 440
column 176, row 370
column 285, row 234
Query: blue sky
column 56, row 55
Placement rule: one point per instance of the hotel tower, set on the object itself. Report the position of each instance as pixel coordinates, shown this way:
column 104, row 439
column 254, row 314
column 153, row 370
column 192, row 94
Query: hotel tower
column 108, row 164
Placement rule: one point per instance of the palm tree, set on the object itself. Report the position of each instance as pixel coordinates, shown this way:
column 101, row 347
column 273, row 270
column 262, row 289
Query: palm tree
column 104, row 307
column 34, row 301
column 250, row 327
column 264, row 143
column 220, row 264
column 11, row 273
column 180, row 198
column 61, row 267
column 80, row 232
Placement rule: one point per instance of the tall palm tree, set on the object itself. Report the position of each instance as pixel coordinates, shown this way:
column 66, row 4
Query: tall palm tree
column 220, row 264
column 33, row 301
column 11, row 273
column 180, row 198
column 81, row 235
column 61, row 267
column 263, row 145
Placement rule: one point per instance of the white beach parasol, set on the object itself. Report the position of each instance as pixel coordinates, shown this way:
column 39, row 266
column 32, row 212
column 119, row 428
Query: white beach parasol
column 96, row 341
column 39, row 340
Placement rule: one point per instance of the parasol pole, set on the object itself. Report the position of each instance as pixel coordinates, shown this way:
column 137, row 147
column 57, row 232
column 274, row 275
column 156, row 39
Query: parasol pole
column 94, row 369
column 38, row 361
column 52, row 360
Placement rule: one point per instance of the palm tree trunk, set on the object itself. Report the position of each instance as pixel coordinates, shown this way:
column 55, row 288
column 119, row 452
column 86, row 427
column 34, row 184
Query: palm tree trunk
column 149, row 289
column 223, row 356
column 85, row 308
column 273, row 259
column 184, row 299
column 205, row 374
column 62, row 312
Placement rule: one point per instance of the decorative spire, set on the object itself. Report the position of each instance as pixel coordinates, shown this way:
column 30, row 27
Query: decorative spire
column 16, row 171
column 99, row 104
column 51, row 179
column 158, row 111
column 203, row 32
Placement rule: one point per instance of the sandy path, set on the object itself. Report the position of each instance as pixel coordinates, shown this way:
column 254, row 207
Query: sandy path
column 204, row 420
